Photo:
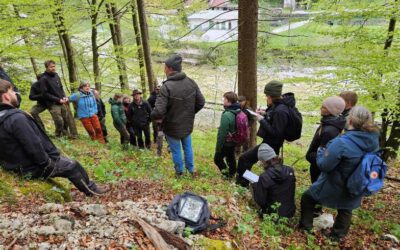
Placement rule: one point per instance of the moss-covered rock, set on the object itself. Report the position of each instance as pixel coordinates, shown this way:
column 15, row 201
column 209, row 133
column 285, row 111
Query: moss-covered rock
column 52, row 190
column 210, row 244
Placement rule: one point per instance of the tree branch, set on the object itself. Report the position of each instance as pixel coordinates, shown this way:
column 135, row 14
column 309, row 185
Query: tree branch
column 101, row 45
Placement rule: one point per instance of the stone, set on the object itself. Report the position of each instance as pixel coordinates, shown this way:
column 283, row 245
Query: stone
column 174, row 227
column 324, row 221
column 94, row 209
column 50, row 208
column 391, row 237
column 63, row 226
column 44, row 230
column 44, row 246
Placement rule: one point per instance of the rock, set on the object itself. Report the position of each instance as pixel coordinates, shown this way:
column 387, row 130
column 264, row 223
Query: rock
column 44, row 230
column 174, row 227
column 63, row 226
column 323, row 221
column 94, row 209
column 391, row 237
column 215, row 244
column 44, row 246
column 50, row 208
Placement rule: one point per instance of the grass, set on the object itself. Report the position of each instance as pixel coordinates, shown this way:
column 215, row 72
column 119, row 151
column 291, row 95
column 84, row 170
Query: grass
column 111, row 164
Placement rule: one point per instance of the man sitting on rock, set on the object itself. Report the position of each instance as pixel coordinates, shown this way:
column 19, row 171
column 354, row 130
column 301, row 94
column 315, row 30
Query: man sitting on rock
column 27, row 150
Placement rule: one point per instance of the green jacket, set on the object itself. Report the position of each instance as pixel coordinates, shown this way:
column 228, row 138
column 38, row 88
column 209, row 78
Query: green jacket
column 227, row 125
column 117, row 112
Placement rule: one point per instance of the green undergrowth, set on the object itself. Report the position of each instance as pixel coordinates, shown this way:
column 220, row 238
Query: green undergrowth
column 111, row 164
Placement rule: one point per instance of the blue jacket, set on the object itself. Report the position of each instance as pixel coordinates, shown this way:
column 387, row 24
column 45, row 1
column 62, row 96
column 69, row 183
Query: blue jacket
column 337, row 163
column 86, row 104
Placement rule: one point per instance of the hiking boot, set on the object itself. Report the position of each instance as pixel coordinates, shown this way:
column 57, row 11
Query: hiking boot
column 98, row 191
column 179, row 175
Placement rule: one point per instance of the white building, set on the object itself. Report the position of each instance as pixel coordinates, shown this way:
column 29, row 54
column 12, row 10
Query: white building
column 214, row 25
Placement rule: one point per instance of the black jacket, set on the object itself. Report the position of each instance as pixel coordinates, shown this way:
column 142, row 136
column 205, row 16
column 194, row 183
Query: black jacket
column 272, row 127
column 24, row 147
column 179, row 100
column 101, row 109
column 52, row 89
column 330, row 127
column 152, row 99
column 276, row 185
column 139, row 114
column 35, row 94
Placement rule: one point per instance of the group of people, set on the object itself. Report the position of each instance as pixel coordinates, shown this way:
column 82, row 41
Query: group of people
column 332, row 157
column 26, row 148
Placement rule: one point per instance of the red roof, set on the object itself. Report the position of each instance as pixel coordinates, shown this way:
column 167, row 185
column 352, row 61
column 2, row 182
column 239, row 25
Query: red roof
column 218, row 3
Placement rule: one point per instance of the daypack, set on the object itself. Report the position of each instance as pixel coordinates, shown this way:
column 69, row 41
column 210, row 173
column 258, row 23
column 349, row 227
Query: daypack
column 295, row 122
column 193, row 210
column 368, row 177
column 242, row 130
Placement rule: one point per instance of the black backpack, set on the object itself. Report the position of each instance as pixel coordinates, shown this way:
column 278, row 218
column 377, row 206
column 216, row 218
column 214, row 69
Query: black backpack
column 193, row 210
column 295, row 123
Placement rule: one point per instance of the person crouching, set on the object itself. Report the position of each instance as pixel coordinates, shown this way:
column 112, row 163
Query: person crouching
column 276, row 186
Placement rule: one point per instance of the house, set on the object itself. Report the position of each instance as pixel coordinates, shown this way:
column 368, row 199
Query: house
column 221, row 5
column 214, row 25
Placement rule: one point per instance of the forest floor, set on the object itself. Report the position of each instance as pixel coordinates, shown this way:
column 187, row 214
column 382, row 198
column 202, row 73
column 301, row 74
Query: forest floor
column 140, row 176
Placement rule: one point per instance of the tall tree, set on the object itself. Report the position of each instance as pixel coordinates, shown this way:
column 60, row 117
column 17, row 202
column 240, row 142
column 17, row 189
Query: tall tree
column 65, row 42
column 116, row 35
column 146, row 46
column 94, row 13
column 138, row 38
column 27, row 43
column 247, row 55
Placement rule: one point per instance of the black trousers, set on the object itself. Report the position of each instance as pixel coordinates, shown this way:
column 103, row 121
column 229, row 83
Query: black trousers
column 132, row 138
column 139, row 137
column 314, row 173
column 342, row 220
column 226, row 154
column 246, row 162
column 70, row 169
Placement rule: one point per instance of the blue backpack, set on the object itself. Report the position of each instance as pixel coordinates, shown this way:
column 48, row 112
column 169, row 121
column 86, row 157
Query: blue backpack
column 367, row 178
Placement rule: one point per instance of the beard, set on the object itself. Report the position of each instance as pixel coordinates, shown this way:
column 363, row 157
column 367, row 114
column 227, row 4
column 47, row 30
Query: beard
column 14, row 102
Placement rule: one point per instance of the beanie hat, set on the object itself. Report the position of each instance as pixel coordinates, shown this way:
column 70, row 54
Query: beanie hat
column 273, row 88
column 265, row 152
column 174, row 62
column 334, row 104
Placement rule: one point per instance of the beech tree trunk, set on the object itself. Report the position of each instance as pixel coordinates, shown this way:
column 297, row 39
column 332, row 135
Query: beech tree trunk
column 27, row 43
column 94, row 13
column 115, row 29
column 69, row 56
column 146, row 46
column 247, row 56
column 66, row 43
column 138, row 38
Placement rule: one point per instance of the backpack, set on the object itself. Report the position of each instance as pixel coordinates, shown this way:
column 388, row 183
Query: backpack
column 295, row 122
column 193, row 210
column 368, row 177
column 242, row 130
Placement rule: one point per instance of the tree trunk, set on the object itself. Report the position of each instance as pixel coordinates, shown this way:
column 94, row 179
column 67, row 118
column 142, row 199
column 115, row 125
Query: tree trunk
column 117, row 43
column 392, row 144
column 95, row 49
column 66, row 42
column 68, row 51
column 247, row 56
column 138, row 38
column 27, row 43
column 146, row 46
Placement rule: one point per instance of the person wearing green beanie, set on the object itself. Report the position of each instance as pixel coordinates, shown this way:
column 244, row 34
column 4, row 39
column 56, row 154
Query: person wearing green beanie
column 273, row 123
